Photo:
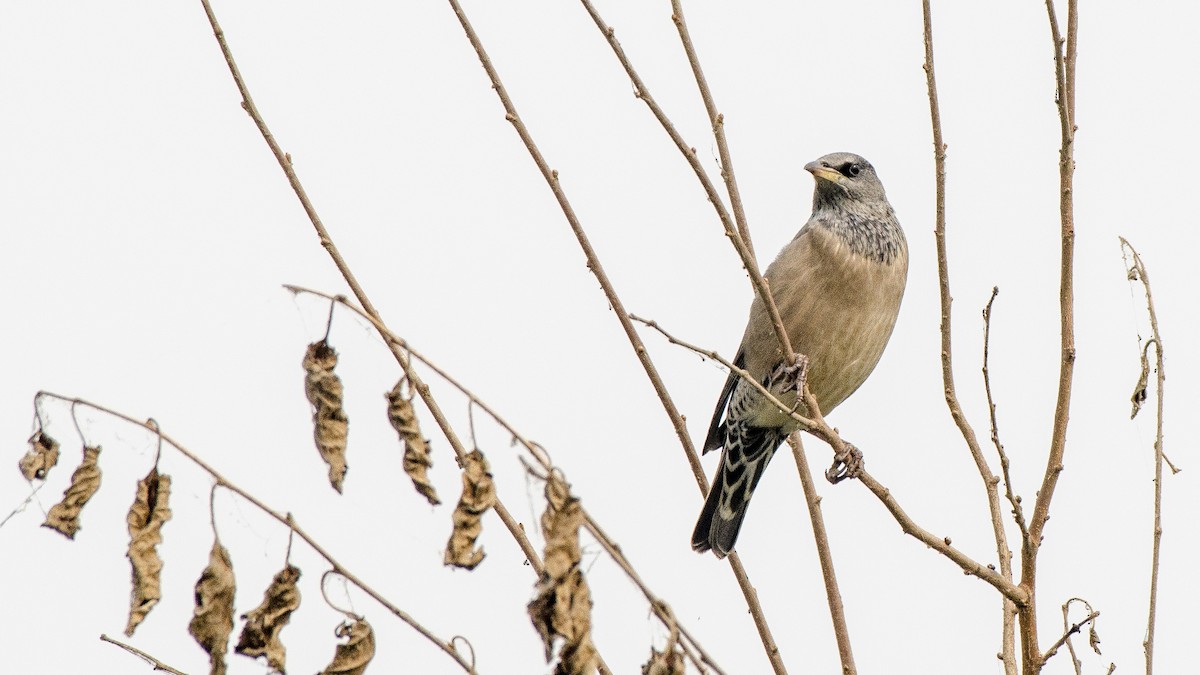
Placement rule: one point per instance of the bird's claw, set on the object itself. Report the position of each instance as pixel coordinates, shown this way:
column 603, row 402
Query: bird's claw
column 789, row 377
column 846, row 464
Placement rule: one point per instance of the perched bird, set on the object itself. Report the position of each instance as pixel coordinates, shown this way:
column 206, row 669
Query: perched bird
column 838, row 286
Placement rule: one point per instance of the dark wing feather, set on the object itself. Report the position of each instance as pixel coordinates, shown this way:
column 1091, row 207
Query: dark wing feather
column 716, row 428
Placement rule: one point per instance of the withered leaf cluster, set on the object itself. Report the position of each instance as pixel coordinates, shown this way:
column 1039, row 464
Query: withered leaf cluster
column 478, row 495
column 352, row 657
column 146, row 517
column 64, row 516
column 563, row 604
column 212, row 620
column 260, row 636
column 416, row 447
column 330, row 423
column 40, row 458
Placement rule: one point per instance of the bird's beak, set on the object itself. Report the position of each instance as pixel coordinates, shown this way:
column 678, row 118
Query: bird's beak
column 823, row 172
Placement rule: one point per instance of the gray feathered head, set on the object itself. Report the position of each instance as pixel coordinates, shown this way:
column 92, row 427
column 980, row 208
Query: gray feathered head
column 842, row 175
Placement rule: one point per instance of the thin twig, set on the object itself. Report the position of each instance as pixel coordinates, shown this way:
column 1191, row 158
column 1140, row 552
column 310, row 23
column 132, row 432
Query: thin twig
column 1064, row 74
column 718, row 127
column 283, row 518
column 1013, row 499
column 1072, row 630
column 539, row 454
column 833, row 596
column 1138, row 269
column 1003, row 552
column 819, row 428
column 735, row 230
column 150, row 660
column 660, row 608
column 285, row 162
column 1009, row 611
column 639, row 348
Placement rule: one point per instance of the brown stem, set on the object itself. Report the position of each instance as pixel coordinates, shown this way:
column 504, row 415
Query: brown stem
column 718, row 127
column 1064, row 72
column 285, row 162
column 150, row 660
column 837, row 612
column 1009, row 611
column 285, row 519
column 1138, row 269
column 737, row 232
column 1003, row 553
column 817, row 426
column 539, row 454
column 639, row 348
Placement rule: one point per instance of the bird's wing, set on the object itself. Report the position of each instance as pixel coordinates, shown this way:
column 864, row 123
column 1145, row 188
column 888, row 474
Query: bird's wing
column 716, row 428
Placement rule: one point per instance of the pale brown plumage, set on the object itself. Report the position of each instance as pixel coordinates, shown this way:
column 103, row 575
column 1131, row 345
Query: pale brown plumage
column 838, row 286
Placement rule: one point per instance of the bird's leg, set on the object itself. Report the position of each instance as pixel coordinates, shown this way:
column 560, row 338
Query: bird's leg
column 846, row 464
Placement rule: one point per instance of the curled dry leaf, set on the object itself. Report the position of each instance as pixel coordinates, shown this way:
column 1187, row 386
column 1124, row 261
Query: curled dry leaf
column 478, row 495
column 260, row 636
column 563, row 604
column 40, row 458
column 1139, row 389
column 330, row 423
column 416, row 448
column 212, row 620
column 146, row 517
column 352, row 657
column 64, row 516
column 669, row 662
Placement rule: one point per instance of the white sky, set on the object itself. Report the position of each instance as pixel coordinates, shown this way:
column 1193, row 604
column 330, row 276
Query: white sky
column 148, row 231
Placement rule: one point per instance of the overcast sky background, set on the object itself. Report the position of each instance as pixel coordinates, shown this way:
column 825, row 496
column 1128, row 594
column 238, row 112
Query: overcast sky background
column 148, row 232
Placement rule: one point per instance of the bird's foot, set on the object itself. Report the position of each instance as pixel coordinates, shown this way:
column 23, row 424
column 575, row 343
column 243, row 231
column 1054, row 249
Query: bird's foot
column 789, row 377
column 846, row 464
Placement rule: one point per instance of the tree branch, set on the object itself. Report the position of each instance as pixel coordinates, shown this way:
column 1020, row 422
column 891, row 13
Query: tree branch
column 150, row 660
column 639, row 348
column 1137, row 271
column 1064, row 73
column 285, row 519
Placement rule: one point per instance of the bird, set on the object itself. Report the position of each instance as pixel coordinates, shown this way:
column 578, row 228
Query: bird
column 838, row 285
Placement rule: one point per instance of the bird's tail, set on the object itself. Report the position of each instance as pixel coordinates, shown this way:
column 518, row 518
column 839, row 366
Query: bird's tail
column 744, row 457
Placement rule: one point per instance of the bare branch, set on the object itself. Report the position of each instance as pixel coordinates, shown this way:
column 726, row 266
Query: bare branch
column 285, row 162
column 1072, row 630
column 1009, row 611
column 833, row 595
column 718, row 127
column 639, row 348
column 150, row 660
column 1064, row 73
column 1003, row 552
column 1137, row 271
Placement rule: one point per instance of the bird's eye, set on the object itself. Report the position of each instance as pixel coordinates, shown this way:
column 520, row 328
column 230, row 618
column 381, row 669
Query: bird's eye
column 851, row 170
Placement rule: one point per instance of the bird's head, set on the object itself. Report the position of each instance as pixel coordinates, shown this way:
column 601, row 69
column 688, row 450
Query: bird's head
column 842, row 175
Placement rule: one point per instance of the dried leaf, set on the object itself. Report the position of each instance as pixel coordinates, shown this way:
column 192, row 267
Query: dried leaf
column 478, row 495
column 64, row 516
column 416, row 448
column 260, row 636
column 330, row 423
column 1139, row 389
column 563, row 604
column 669, row 662
column 40, row 458
column 212, row 620
column 352, row 657
column 146, row 517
